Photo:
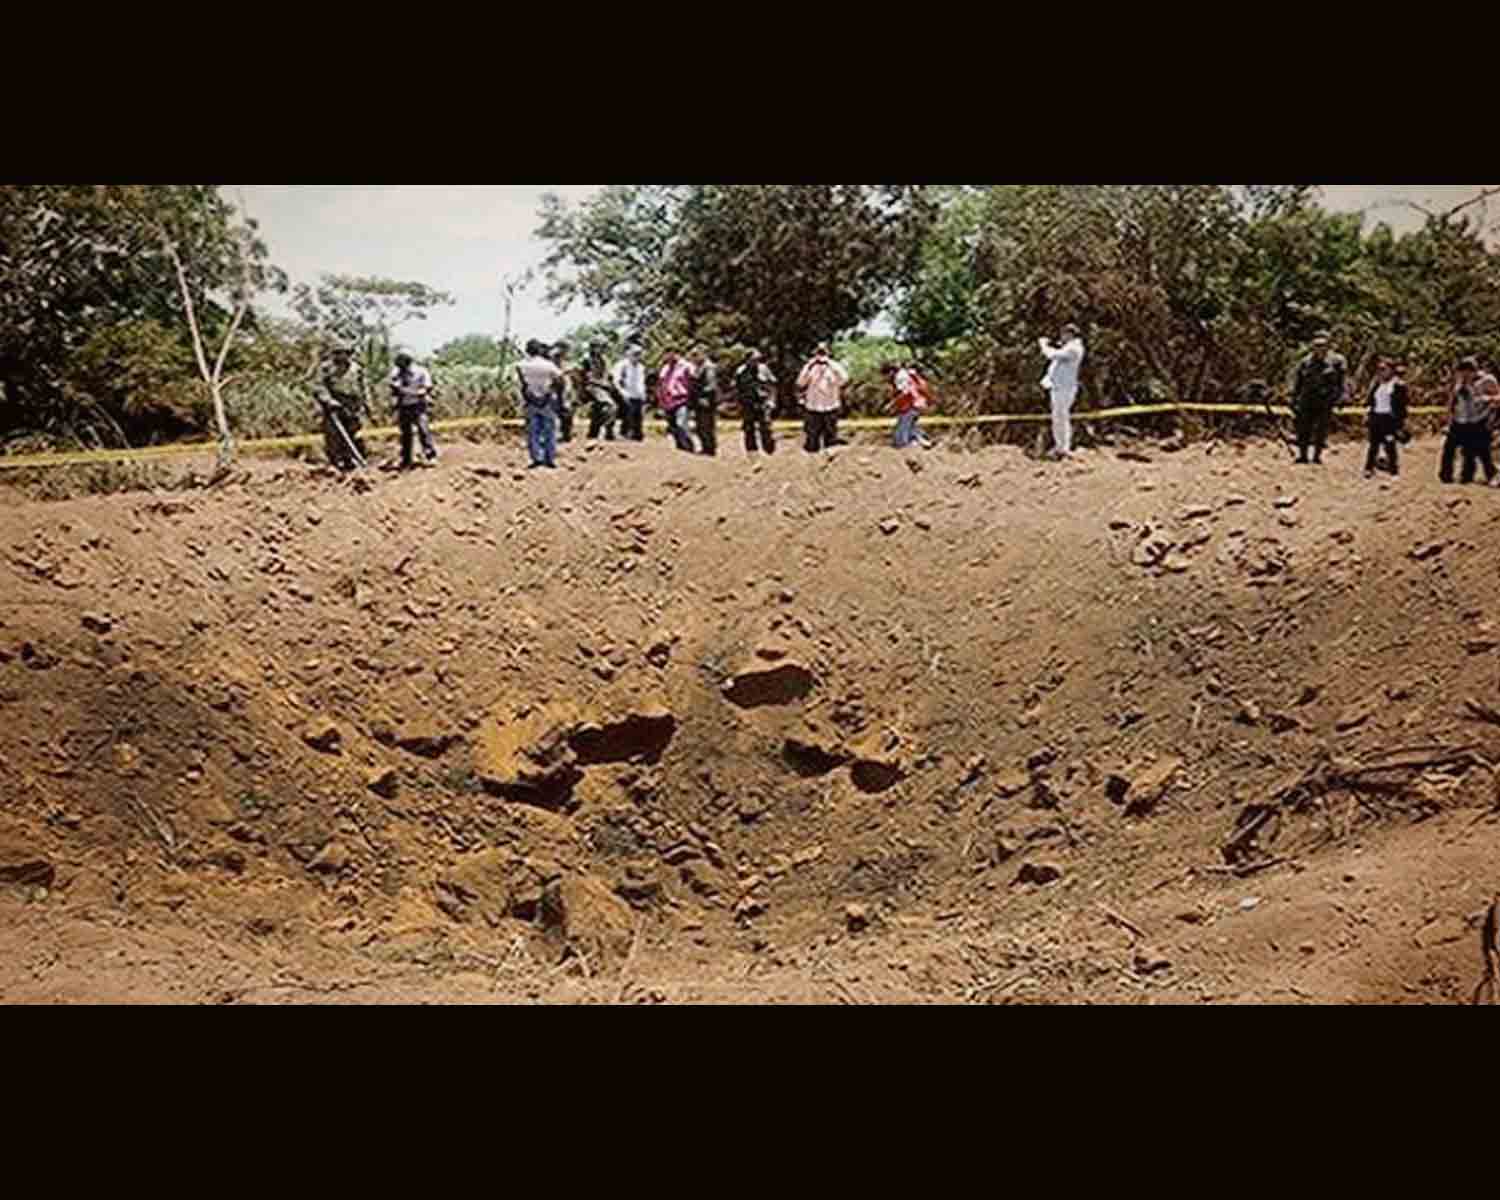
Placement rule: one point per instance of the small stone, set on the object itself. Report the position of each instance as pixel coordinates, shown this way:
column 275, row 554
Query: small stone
column 1147, row 962
column 330, row 860
column 1249, row 902
column 856, row 917
column 325, row 736
column 890, row 525
column 1010, row 780
column 96, row 622
column 1307, row 948
column 1284, row 501
column 1428, row 550
column 383, row 781
column 750, row 808
column 1038, row 873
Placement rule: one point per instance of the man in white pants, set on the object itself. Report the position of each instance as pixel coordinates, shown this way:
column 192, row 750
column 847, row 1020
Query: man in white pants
column 1062, row 381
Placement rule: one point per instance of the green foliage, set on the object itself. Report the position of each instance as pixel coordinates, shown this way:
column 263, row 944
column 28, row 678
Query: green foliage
column 364, row 311
column 77, row 260
column 610, row 251
column 472, row 350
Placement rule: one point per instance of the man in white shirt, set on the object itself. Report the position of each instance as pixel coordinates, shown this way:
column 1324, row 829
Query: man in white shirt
column 1061, row 381
column 1387, row 415
column 541, row 397
column 629, row 378
column 411, row 388
column 821, row 383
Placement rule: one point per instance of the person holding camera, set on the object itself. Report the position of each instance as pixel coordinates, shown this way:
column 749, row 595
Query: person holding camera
column 1474, row 393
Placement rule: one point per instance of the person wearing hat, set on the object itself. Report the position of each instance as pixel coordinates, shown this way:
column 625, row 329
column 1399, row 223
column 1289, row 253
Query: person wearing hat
column 1061, row 382
column 755, row 389
column 541, row 396
column 411, row 389
column 1387, row 415
column 1318, row 387
column 599, row 393
column 821, row 383
column 345, row 400
column 1474, row 394
column 629, row 378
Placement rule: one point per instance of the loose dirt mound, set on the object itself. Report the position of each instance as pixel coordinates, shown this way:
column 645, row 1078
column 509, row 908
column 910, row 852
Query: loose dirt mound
column 863, row 726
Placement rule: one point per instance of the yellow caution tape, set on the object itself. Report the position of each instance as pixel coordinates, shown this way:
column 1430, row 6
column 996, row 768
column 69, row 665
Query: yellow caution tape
column 79, row 458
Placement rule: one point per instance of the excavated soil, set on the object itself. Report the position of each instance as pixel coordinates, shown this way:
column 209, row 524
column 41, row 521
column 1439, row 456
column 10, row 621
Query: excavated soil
column 1164, row 723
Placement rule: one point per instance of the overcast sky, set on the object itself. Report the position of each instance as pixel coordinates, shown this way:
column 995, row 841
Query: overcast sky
column 462, row 240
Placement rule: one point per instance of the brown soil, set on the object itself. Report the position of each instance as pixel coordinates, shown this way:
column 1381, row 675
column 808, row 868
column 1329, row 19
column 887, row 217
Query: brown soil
column 861, row 727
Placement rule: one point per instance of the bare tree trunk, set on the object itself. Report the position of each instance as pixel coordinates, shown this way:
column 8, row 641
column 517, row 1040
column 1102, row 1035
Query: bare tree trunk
column 212, row 377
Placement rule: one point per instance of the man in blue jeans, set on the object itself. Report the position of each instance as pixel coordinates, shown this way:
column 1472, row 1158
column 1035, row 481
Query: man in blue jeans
column 541, row 396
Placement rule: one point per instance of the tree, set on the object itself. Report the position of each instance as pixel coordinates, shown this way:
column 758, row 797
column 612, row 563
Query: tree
column 365, row 310
column 788, row 266
column 610, row 251
column 471, row 350
column 77, row 260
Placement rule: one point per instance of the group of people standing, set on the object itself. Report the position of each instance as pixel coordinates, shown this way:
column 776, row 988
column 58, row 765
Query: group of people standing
column 688, row 391
column 1321, row 384
column 345, row 402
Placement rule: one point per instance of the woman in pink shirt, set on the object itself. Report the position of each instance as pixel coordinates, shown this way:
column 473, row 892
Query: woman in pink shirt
column 674, row 385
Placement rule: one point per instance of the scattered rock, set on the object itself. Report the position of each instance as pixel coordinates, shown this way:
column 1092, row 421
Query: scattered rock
column 1010, row 780
column 856, row 917
column 1357, row 714
column 22, row 865
column 579, row 915
column 1249, row 902
column 1284, row 502
column 814, row 752
column 324, row 735
column 1141, row 787
column 1428, row 550
column 1147, row 962
column 1249, row 714
column 1038, row 873
column 426, row 741
column 1150, row 550
column 96, row 622
column 383, row 781
column 750, row 808
column 330, row 860
column 890, row 525
column 641, row 887
column 877, row 762
column 756, row 686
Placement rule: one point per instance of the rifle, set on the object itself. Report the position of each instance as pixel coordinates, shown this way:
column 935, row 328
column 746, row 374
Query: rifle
column 333, row 415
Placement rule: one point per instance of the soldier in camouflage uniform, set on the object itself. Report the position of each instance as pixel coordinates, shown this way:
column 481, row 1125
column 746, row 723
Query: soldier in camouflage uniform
column 345, row 398
column 1318, row 388
column 559, row 356
column 596, row 388
column 755, row 388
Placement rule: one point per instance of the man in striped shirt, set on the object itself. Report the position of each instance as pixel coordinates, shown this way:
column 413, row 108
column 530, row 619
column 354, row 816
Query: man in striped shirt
column 1469, row 422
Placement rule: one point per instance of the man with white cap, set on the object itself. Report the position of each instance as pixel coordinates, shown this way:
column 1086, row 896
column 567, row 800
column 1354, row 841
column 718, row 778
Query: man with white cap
column 1061, row 381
